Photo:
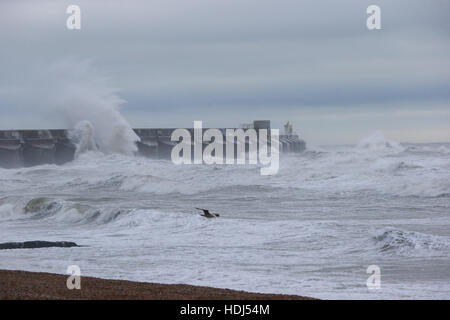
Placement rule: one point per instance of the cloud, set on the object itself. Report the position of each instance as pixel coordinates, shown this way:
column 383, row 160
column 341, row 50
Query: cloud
column 179, row 60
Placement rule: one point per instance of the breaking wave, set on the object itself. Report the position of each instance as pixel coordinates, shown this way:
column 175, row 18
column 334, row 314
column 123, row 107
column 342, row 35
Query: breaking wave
column 67, row 211
column 72, row 213
column 397, row 241
column 330, row 171
column 378, row 142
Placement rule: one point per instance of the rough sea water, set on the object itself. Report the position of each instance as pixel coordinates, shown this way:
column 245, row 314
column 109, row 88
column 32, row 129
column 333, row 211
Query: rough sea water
column 312, row 229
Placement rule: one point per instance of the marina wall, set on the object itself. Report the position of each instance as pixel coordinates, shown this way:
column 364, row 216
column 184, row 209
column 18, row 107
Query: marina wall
column 25, row 148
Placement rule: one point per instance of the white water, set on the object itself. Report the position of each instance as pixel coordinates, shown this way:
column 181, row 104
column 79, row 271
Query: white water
column 76, row 96
column 312, row 229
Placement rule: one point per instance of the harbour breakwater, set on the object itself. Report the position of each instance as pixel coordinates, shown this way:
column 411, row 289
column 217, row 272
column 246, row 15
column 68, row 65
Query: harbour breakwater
column 25, row 148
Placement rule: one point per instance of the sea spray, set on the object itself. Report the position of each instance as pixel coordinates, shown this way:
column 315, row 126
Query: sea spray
column 75, row 93
column 83, row 136
column 378, row 142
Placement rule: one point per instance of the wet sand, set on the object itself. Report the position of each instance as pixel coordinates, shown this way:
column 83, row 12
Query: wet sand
column 32, row 285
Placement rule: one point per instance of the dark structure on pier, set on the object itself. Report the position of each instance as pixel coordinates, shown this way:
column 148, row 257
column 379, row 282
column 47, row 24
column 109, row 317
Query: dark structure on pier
column 19, row 148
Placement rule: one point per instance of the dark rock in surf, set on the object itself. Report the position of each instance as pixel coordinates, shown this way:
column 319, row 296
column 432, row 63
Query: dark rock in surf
column 36, row 244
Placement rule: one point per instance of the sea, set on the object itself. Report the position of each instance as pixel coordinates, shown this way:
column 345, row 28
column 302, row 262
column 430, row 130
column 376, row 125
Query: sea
column 319, row 227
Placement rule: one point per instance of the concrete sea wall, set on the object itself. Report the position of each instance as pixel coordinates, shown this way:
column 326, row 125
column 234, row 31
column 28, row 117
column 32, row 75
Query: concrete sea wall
column 25, row 148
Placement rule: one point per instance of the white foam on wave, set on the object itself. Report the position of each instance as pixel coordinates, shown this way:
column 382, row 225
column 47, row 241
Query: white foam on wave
column 8, row 211
column 332, row 171
column 377, row 142
column 402, row 242
column 443, row 149
column 374, row 165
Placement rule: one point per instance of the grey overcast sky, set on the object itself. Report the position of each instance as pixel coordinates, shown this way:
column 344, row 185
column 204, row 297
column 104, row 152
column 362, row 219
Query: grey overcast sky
column 227, row 62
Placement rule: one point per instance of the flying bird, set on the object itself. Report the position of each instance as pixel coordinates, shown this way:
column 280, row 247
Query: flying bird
column 207, row 214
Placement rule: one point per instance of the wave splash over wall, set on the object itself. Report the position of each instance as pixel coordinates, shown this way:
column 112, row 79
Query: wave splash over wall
column 86, row 102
